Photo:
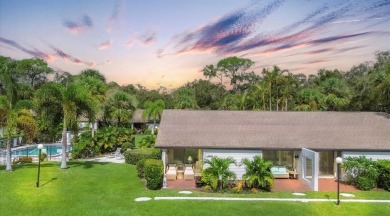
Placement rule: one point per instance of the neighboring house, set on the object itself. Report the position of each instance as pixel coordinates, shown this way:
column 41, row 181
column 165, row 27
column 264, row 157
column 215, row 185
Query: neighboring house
column 306, row 141
column 138, row 123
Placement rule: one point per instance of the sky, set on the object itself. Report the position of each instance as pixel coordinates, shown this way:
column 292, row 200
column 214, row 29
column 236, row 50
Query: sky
column 168, row 42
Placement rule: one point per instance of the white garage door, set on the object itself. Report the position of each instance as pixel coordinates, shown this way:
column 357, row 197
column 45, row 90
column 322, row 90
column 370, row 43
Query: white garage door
column 373, row 155
column 237, row 155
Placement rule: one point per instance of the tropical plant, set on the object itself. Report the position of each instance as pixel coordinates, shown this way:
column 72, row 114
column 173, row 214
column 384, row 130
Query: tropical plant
column 184, row 98
column 153, row 110
column 258, row 173
column 120, row 106
column 71, row 100
column 218, row 169
column 360, row 172
column 147, row 142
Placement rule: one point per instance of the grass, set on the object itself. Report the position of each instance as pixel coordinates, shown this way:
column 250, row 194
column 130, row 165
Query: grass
column 91, row 188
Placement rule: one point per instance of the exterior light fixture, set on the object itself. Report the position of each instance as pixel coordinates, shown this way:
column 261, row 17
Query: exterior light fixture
column 40, row 147
column 339, row 160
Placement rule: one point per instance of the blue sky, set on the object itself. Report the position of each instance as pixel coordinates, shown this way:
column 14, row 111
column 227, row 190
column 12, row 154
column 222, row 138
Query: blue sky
column 167, row 43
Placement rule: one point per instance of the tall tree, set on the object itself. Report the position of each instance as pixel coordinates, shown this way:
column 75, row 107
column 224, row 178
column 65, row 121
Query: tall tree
column 207, row 94
column 74, row 101
column 184, row 98
column 120, row 106
column 35, row 71
column 153, row 110
column 233, row 68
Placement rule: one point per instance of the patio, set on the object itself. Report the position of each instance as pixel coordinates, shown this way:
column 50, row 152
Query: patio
column 289, row 185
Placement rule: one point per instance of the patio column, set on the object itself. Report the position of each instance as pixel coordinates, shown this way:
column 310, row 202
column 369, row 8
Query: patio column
column 163, row 158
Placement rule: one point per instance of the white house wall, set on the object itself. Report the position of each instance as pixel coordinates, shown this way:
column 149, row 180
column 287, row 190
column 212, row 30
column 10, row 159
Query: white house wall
column 236, row 154
column 373, row 155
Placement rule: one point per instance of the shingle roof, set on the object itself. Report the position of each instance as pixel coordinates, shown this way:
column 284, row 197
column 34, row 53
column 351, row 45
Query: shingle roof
column 137, row 117
column 274, row 130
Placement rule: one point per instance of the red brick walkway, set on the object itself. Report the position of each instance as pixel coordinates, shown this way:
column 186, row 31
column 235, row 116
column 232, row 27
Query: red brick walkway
column 289, row 185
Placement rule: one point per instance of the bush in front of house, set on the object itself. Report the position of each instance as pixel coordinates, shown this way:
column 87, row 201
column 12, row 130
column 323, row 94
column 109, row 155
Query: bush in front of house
column 22, row 160
column 133, row 156
column 383, row 167
column 154, row 173
column 140, row 168
column 360, row 172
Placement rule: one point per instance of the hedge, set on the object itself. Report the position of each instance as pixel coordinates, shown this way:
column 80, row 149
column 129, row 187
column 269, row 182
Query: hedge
column 153, row 171
column 133, row 156
column 383, row 180
column 140, row 168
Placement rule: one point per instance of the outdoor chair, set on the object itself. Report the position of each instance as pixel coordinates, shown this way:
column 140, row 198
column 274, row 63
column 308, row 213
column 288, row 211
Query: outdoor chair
column 116, row 154
column 171, row 172
column 189, row 172
column 280, row 172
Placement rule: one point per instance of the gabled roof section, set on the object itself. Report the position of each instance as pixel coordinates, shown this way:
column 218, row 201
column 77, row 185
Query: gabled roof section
column 274, row 130
column 137, row 117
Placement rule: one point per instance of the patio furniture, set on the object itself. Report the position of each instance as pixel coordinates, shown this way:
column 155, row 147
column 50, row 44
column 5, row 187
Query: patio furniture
column 180, row 174
column 293, row 174
column 189, row 172
column 280, row 172
column 116, row 154
column 171, row 172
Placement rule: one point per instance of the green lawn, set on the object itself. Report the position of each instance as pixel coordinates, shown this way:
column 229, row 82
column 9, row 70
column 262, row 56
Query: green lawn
column 90, row 188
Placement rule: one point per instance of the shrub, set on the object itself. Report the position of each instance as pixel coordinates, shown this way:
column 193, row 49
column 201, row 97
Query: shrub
column 140, row 168
column 360, row 172
column 147, row 142
column 127, row 145
column 153, row 171
column 22, row 160
column 106, row 140
column 84, row 146
column 133, row 156
column 218, row 168
column 383, row 167
column 42, row 157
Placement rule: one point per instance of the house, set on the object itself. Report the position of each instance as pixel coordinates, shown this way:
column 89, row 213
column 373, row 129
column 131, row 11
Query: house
column 139, row 123
column 306, row 141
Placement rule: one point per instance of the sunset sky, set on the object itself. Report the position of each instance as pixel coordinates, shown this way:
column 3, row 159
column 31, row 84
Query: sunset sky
column 168, row 42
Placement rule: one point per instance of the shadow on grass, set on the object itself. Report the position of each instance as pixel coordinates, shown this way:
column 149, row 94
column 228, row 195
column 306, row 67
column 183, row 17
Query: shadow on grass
column 85, row 164
column 52, row 179
column 16, row 167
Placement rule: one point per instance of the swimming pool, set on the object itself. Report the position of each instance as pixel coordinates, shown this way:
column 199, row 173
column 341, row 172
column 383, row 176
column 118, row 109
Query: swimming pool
column 33, row 150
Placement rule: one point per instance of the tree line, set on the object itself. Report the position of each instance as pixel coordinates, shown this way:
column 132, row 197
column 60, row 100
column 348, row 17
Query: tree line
column 43, row 104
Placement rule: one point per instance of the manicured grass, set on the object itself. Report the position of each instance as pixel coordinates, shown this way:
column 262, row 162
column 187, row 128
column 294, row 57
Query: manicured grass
column 90, row 188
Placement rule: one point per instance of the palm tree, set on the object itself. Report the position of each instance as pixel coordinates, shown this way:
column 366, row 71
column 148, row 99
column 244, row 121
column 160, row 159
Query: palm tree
column 219, row 169
column 95, row 83
column 153, row 110
column 184, row 98
column 258, row 173
column 310, row 99
column 71, row 101
column 121, row 106
column 260, row 89
column 337, row 93
column 8, row 122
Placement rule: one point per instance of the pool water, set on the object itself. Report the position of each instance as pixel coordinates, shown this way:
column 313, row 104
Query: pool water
column 33, row 150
